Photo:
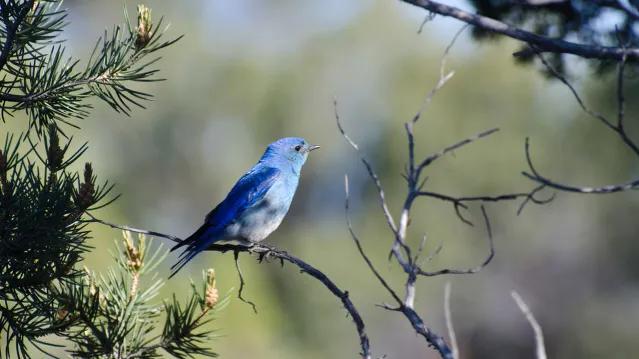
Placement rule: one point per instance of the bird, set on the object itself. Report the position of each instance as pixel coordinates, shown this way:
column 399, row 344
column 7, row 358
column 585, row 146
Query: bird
column 257, row 203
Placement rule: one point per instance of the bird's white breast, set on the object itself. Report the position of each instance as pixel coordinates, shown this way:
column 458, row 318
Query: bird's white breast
column 257, row 222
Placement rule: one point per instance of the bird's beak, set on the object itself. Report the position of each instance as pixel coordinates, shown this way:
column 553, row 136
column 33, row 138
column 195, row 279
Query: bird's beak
column 312, row 148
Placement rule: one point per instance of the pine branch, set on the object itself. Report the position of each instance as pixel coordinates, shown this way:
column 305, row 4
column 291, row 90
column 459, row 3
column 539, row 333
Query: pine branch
column 42, row 202
column 41, row 237
column 12, row 26
column 113, row 316
column 52, row 88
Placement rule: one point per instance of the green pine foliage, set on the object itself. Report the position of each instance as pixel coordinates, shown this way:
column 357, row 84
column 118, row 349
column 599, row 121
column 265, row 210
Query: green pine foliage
column 40, row 79
column 118, row 315
column 45, row 292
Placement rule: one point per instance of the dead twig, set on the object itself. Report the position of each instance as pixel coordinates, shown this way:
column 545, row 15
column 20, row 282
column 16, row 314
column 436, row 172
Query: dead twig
column 540, row 348
column 449, row 322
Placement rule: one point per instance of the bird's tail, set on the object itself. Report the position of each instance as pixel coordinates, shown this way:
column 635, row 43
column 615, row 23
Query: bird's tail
column 195, row 243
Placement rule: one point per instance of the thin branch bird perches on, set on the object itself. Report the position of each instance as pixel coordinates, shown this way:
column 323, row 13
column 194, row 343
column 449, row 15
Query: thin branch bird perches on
column 263, row 252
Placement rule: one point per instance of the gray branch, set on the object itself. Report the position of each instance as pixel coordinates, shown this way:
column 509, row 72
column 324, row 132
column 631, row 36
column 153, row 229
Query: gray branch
column 618, row 128
column 540, row 348
column 401, row 251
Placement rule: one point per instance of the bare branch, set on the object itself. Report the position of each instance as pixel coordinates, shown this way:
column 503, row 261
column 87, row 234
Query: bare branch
column 400, row 249
column 410, row 291
column 444, row 197
column 437, row 342
column 429, row 17
column 236, row 256
column 371, row 173
column 621, row 130
column 412, row 175
column 416, row 322
column 405, row 263
column 131, row 229
column 262, row 251
column 572, row 89
column 449, row 322
column 430, row 159
column 487, row 260
column 358, row 244
column 535, row 176
column 459, row 202
column 620, row 96
column 415, row 183
column 618, row 128
column 531, row 198
column 543, row 43
column 443, row 76
column 539, row 337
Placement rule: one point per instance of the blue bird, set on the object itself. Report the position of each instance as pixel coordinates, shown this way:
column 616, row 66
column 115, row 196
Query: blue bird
column 256, row 204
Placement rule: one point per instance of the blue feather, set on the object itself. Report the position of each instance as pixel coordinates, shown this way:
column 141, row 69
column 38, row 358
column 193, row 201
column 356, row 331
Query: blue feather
column 249, row 190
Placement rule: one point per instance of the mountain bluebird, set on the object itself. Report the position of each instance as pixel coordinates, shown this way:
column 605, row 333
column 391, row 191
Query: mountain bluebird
column 256, row 204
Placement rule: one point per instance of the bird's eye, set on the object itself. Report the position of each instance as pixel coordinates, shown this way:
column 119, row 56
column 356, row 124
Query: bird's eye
column 298, row 148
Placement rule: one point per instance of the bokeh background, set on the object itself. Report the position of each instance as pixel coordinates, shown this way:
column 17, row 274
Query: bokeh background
column 248, row 72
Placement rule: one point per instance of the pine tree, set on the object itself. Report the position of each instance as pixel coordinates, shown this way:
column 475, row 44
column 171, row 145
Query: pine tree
column 45, row 205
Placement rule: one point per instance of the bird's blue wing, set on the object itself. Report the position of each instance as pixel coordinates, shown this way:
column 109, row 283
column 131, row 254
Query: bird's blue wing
column 249, row 190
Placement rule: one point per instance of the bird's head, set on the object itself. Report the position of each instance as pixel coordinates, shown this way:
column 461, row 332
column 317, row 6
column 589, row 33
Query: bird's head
column 293, row 149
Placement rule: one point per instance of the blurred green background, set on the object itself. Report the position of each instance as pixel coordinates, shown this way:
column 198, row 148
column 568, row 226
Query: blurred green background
column 248, row 72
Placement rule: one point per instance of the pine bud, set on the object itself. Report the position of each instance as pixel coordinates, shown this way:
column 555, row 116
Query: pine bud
column 85, row 196
column 61, row 314
column 211, row 295
column 145, row 27
column 55, row 154
column 135, row 256
column 3, row 163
